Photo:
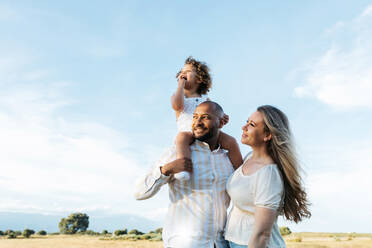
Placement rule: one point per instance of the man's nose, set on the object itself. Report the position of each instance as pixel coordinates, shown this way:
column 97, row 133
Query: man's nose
column 198, row 120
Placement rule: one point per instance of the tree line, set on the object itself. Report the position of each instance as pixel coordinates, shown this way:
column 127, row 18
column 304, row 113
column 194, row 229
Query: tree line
column 79, row 223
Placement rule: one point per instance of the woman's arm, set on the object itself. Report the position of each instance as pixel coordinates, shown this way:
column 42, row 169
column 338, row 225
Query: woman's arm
column 264, row 219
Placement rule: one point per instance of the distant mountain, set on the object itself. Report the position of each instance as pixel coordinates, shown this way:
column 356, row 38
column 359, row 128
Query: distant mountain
column 97, row 222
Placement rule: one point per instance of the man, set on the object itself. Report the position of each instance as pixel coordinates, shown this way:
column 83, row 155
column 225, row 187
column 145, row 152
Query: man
column 197, row 210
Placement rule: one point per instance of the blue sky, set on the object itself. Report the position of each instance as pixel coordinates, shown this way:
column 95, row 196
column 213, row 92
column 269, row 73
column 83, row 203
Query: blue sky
column 85, row 89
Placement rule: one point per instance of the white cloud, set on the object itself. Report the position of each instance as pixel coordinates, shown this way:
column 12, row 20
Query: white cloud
column 338, row 185
column 52, row 164
column 342, row 76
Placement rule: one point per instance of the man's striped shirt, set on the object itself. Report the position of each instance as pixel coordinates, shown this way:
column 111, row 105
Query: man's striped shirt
column 197, row 211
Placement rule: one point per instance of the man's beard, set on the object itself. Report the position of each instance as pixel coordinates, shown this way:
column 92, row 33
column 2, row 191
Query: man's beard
column 206, row 136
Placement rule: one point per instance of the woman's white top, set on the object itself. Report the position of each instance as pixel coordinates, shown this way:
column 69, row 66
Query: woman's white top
column 264, row 188
column 184, row 120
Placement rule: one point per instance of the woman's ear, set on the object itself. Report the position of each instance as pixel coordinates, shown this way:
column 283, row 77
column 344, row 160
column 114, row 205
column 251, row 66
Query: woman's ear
column 267, row 137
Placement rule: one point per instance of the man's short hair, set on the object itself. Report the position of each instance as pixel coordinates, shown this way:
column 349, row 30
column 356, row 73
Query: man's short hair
column 217, row 108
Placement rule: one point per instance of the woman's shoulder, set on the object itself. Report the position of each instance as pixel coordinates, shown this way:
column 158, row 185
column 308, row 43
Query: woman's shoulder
column 269, row 174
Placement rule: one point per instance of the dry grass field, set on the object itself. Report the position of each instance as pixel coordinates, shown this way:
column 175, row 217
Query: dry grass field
column 296, row 240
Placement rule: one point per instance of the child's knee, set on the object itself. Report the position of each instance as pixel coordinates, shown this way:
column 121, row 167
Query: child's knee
column 184, row 138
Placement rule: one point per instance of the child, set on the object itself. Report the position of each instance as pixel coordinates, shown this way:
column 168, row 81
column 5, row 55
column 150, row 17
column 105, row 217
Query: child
column 194, row 81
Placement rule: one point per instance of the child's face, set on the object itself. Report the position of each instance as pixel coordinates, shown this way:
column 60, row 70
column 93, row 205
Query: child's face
column 189, row 74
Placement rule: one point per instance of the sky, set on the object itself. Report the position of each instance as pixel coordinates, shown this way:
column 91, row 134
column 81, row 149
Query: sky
column 85, row 92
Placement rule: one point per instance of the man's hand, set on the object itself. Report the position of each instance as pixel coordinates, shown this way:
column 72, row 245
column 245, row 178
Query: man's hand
column 178, row 165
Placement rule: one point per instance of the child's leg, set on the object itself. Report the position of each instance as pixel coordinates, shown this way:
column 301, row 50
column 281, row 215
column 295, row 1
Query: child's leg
column 183, row 141
column 229, row 143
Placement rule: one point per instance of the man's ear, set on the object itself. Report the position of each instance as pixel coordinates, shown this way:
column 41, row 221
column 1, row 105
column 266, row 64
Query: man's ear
column 221, row 122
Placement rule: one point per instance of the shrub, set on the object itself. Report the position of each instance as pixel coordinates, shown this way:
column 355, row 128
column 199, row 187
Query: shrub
column 1, row 233
column 9, row 231
column 120, row 232
column 18, row 233
column 104, row 232
column 146, row 236
column 284, row 230
column 42, row 232
column 91, row 232
column 159, row 230
column 157, row 238
column 27, row 233
column 12, row 235
column 135, row 231
column 298, row 239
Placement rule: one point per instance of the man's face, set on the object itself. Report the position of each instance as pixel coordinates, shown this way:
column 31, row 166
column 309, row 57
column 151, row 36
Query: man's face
column 205, row 122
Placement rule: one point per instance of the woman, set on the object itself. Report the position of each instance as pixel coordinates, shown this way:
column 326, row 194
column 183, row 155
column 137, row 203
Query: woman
column 266, row 185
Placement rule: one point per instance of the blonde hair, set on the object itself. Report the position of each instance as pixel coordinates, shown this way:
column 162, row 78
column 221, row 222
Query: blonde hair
column 281, row 149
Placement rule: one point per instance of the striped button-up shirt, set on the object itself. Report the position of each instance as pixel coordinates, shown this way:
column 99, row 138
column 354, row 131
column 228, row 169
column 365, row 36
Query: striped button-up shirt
column 197, row 211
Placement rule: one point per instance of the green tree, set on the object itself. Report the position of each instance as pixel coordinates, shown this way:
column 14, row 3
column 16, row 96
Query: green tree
column 27, row 233
column 2, row 233
column 42, row 232
column 104, row 232
column 159, row 230
column 73, row 223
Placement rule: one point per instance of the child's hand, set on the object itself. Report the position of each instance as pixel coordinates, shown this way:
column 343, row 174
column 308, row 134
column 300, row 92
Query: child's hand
column 181, row 79
column 225, row 119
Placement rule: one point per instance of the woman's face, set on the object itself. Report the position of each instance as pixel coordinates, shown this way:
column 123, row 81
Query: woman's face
column 253, row 131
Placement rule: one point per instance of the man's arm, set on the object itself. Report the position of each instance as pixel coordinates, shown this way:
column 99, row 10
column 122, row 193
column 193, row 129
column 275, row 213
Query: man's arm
column 149, row 185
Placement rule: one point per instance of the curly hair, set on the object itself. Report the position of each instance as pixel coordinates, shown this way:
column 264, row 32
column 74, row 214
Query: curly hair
column 202, row 72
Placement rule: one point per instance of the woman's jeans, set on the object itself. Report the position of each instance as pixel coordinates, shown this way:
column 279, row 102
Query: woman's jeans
column 234, row 245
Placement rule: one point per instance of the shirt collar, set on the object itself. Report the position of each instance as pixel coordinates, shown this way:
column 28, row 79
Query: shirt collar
column 205, row 145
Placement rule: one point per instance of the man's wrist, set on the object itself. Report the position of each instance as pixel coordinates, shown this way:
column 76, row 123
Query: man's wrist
column 164, row 171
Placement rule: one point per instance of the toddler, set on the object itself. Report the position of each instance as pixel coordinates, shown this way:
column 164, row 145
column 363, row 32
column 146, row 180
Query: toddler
column 194, row 81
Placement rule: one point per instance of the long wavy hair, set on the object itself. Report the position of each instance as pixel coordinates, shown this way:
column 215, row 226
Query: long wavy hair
column 281, row 149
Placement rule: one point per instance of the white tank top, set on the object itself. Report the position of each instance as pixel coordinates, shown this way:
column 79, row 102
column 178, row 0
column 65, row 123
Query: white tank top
column 184, row 120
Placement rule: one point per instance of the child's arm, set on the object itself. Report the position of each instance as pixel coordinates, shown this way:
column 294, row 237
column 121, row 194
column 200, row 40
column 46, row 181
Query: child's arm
column 183, row 141
column 229, row 143
column 177, row 97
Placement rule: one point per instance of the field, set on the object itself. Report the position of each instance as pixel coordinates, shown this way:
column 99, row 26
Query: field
column 295, row 240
